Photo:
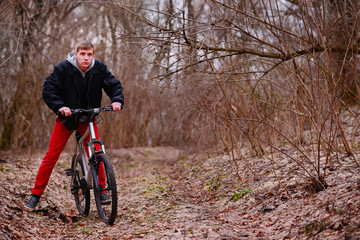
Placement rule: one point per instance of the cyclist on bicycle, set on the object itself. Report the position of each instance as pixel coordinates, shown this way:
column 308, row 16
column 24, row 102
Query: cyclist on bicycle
column 75, row 83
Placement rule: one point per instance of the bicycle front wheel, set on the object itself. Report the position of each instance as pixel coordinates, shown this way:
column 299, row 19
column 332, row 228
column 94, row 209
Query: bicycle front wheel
column 79, row 186
column 106, row 195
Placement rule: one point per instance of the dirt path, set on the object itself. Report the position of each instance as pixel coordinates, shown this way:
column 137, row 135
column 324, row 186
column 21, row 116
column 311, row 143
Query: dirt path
column 164, row 195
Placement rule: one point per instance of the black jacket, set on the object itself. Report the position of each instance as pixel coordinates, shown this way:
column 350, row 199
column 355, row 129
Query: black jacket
column 66, row 87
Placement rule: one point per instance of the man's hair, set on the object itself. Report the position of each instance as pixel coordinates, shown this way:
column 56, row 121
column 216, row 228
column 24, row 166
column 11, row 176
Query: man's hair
column 84, row 46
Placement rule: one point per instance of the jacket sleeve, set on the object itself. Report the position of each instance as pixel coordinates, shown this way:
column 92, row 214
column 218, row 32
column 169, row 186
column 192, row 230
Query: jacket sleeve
column 112, row 86
column 52, row 88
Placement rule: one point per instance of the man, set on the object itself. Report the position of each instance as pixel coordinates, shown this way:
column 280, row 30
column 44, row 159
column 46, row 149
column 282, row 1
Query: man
column 75, row 83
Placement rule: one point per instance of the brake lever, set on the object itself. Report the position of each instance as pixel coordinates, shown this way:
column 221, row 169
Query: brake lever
column 108, row 108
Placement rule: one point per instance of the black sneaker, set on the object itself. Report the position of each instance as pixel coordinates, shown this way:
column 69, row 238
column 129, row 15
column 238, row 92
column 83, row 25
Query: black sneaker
column 105, row 198
column 32, row 202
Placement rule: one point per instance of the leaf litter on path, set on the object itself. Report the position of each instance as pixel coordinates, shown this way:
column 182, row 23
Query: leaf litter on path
column 164, row 195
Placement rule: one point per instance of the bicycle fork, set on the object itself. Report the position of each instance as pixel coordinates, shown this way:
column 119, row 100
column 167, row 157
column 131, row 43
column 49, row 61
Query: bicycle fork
column 93, row 162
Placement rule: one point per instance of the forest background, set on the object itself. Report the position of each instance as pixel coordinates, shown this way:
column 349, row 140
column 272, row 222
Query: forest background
column 263, row 75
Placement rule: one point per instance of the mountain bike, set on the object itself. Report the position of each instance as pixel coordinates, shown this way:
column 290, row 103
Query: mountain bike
column 93, row 171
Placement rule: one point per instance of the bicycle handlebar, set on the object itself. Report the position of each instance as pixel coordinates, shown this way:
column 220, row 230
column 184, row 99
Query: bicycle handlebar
column 91, row 110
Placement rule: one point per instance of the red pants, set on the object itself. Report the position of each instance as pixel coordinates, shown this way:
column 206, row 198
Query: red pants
column 58, row 140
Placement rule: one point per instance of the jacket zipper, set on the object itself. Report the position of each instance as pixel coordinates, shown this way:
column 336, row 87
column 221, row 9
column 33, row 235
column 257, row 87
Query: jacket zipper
column 88, row 91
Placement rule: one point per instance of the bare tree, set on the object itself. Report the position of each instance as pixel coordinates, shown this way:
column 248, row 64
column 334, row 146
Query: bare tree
column 34, row 34
column 270, row 72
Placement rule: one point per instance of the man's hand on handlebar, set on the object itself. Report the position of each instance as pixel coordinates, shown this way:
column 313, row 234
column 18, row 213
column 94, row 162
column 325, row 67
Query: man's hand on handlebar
column 116, row 106
column 65, row 111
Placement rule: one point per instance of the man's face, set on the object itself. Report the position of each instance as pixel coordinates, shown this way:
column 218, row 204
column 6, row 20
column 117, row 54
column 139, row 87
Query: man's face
column 84, row 58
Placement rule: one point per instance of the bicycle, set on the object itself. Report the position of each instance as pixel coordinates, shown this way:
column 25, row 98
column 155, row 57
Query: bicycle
column 84, row 172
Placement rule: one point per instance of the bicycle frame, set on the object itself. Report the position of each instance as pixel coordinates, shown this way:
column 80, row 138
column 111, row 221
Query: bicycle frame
column 92, row 154
column 82, row 154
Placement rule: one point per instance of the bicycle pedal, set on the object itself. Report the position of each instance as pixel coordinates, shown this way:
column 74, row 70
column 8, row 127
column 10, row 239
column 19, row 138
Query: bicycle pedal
column 70, row 172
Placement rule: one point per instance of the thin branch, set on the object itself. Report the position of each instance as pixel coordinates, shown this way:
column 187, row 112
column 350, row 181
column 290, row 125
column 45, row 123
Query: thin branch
column 14, row 53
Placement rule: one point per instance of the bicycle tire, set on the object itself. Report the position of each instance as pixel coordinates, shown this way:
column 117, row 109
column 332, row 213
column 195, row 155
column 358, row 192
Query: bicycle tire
column 107, row 212
column 79, row 186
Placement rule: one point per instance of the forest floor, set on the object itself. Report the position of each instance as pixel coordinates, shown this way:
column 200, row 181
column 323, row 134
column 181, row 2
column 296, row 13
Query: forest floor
column 166, row 195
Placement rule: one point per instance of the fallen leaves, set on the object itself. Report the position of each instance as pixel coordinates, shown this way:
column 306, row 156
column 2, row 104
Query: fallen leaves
column 162, row 198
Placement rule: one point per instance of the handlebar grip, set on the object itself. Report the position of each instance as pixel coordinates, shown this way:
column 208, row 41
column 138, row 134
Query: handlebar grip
column 75, row 111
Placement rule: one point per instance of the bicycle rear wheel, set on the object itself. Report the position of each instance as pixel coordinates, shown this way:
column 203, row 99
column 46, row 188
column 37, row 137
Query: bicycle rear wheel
column 107, row 211
column 79, row 186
